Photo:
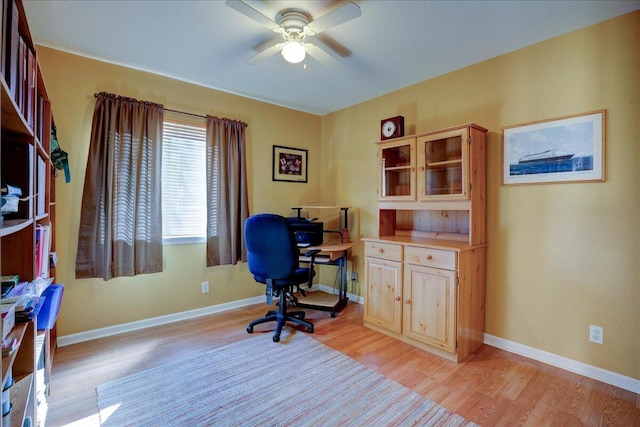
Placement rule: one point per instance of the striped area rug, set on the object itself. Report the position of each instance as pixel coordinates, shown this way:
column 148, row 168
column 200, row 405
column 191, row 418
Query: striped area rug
column 256, row 382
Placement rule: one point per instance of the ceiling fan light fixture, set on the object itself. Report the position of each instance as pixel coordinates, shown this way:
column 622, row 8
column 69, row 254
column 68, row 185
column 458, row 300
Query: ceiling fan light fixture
column 293, row 52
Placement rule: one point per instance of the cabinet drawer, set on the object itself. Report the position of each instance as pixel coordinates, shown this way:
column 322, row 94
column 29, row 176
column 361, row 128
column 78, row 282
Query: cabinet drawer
column 437, row 258
column 383, row 250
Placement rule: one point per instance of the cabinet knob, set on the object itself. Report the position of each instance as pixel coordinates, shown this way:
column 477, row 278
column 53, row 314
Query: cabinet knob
column 398, row 298
column 381, row 251
column 429, row 257
column 407, row 301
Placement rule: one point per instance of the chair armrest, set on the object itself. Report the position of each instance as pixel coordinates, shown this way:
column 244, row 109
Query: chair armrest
column 312, row 255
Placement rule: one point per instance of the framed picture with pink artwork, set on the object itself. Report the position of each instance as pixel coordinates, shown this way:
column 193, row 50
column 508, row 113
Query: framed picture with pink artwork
column 289, row 164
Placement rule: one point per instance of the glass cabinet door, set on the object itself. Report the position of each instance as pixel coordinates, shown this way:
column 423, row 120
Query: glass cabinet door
column 397, row 170
column 442, row 165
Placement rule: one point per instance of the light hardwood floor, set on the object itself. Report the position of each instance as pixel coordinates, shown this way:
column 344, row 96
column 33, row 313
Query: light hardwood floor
column 492, row 387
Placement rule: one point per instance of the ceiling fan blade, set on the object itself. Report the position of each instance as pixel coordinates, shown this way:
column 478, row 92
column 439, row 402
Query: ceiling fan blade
column 330, row 48
column 269, row 43
column 264, row 54
column 321, row 56
column 331, row 45
column 245, row 9
column 337, row 16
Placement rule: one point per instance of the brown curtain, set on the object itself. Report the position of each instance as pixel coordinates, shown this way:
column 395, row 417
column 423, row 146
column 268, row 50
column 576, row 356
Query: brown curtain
column 227, row 200
column 121, row 220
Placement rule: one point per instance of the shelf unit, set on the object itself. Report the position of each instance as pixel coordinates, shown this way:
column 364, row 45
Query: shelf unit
column 332, row 254
column 22, row 366
column 425, row 272
column 26, row 122
column 343, row 209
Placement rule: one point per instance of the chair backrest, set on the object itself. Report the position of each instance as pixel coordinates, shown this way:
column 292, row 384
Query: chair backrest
column 271, row 246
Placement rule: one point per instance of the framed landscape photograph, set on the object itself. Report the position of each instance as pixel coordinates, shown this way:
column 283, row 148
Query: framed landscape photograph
column 289, row 164
column 565, row 149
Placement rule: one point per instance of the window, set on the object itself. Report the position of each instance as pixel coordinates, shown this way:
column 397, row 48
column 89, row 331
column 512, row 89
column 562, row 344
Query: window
column 184, row 196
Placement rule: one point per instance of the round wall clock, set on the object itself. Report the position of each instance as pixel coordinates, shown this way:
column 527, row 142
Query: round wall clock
column 392, row 127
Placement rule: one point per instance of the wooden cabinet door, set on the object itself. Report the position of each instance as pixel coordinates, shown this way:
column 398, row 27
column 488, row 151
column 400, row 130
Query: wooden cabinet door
column 429, row 298
column 442, row 163
column 383, row 298
column 397, row 170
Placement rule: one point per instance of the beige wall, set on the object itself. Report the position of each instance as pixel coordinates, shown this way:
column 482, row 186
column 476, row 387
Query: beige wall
column 89, row 304
column 560, row 256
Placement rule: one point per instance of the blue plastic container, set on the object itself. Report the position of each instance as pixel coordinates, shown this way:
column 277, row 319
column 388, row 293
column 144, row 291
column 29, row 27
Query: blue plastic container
column 49, row 311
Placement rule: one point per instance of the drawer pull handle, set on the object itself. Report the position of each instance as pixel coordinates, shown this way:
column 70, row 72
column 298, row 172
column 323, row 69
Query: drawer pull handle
column 407, row 301
column 429, row 257
column 381, row 251
column 398, row 298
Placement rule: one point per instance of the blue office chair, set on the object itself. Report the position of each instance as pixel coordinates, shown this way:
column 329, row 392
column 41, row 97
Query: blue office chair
column 273, row 254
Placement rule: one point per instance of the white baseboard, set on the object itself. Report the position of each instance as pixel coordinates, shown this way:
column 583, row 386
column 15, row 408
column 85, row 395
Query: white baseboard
column 93, row 334
column 65, row 340
column 596, row 373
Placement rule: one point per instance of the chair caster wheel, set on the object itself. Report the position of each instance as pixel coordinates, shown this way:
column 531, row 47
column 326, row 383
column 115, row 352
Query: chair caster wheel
column 249, row 329
column 276, row 338
column 310, row 330
column 333, row 315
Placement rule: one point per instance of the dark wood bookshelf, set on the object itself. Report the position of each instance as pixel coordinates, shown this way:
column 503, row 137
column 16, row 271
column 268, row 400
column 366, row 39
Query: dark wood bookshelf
column 25, row 162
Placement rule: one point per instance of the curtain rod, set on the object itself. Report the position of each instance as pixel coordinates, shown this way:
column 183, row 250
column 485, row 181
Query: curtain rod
column 95, row 95
column 184, row 112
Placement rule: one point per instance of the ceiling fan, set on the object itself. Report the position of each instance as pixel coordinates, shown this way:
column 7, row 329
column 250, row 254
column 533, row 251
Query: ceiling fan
column 295, row 27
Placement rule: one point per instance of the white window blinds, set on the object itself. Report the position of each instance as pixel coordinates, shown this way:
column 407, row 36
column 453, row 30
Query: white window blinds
column 184, row 198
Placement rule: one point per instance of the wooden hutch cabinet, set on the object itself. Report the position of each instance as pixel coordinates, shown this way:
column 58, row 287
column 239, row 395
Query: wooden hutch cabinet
column 425, row 272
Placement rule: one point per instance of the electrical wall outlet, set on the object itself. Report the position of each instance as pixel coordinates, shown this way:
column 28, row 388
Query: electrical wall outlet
column 596, row 334
column 205, row 287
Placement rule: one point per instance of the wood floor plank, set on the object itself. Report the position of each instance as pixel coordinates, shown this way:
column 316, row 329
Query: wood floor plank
column 482, row 409
column 492, row 387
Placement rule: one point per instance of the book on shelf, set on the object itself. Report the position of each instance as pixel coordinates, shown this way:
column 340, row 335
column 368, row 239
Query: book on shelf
column 43, row 248
column 26, row 81
column 39, row 128
column 11, row 44
column 30, row 88
column 3, row 39
column 18, row 62
column 38, row 249
column 41, row 189
column 19, row 71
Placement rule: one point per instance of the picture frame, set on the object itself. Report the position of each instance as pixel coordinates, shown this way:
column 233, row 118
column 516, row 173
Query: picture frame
column 289, row 164
column 560, row 150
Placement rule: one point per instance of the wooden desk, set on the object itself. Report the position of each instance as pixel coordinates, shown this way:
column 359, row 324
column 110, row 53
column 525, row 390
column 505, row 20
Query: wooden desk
column 318, row 300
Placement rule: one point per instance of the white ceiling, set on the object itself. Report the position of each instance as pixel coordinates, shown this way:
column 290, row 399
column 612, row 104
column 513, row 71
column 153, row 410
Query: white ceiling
column 394, row 44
